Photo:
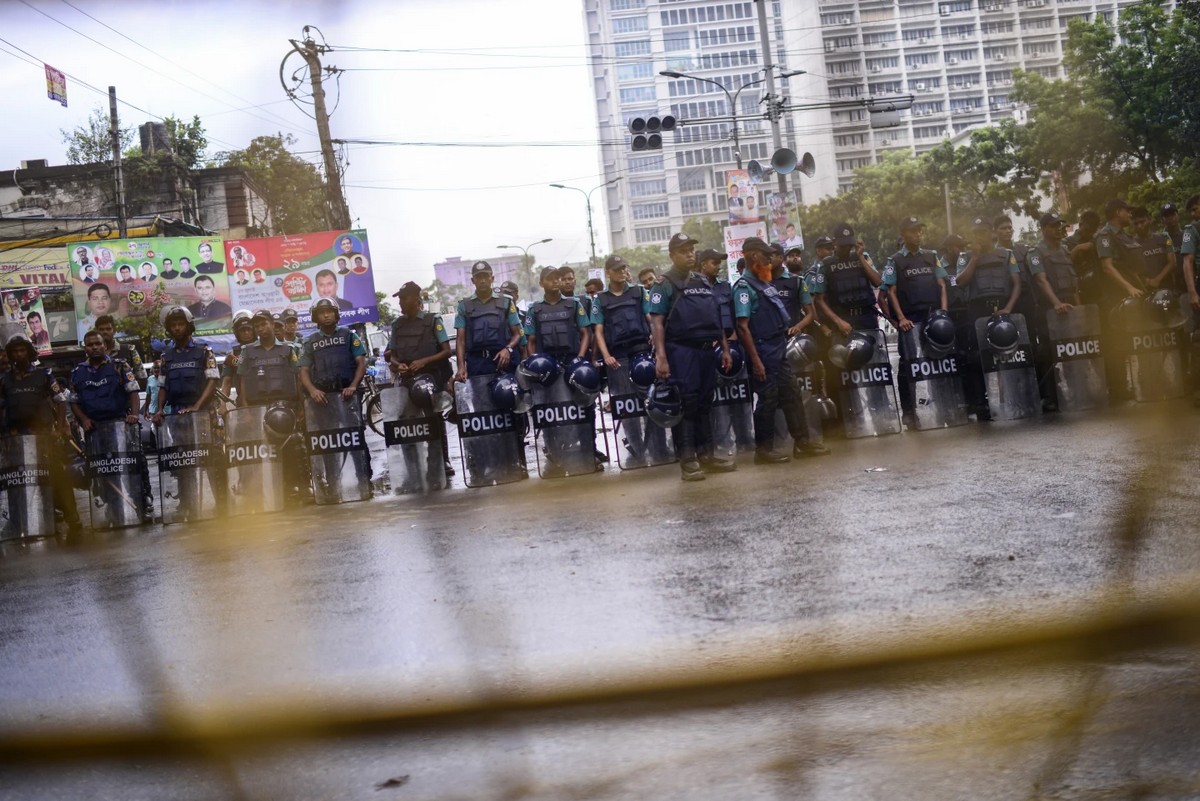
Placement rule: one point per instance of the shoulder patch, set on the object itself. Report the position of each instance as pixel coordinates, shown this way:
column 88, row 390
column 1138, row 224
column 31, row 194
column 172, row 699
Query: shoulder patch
column 743, row 297
column 656, row 297
column 1105, row 243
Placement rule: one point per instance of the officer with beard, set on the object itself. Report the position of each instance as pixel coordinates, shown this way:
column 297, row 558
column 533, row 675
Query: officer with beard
column 989, row 278
column 420, row 346
column 685, row 323
column 763, row 321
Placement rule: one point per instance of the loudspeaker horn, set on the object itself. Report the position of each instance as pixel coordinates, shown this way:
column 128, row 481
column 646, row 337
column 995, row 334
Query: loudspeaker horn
column 808, row 165
column 783, row 160
column 755, row 171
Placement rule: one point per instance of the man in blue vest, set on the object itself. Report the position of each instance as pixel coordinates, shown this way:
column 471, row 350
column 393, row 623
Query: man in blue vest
column 558, row 325
column 333, row 358
column 488, row 328
column 420, row 346
column 621, row 326
column 685, row 324
column 189, row 368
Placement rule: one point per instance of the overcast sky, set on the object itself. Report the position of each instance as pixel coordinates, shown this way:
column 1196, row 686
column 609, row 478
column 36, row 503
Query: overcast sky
column 483, row 71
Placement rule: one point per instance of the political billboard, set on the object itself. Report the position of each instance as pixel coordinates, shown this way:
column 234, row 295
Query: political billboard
column 130, row 278
column 291, row 272
column 35, row 296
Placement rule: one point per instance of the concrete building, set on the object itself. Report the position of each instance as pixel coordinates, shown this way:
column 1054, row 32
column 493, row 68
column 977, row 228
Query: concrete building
column 956, row 57
column 456, row 270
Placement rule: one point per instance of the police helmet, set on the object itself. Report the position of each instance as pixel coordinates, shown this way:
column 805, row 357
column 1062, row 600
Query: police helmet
column 178, row 311
column 583, row 377
column 801, row 351
column 242, row 314
column 642, row 370
column 18, row 342
column 1002, row 333
column 427, row 395
column 736, row 360
column 1128, row 315
column 664, row 404
column 1164, row 308
column 262, row 314
column 827, row 408
column 279, row 422
column 939, row 331
column 852, row 352
column 537, row 369
column 324, row 303
column 508, row 394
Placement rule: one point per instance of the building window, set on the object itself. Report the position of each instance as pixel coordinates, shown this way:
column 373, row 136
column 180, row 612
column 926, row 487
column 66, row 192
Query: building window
column 694, row 204
column 646, row 235
column 633, row 72
column 640, row 47
column 673, row 42
column 648, row 188
column 691, row 181
column 646, row 163
column 638, row 94
column 625, row 5
column 650, row 211
column 630, row 24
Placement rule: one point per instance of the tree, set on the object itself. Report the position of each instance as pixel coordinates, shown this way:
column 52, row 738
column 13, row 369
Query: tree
column 147, row 327
column 387, row 313
column 91, row 143
column 640, row 258
column 296, row 192
column 707, row 233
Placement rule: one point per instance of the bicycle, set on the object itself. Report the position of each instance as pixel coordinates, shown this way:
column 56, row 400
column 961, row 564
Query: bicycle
column 372, row 405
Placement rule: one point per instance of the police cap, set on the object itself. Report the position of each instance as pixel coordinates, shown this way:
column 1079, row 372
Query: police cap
column 1050, row 220
column 909, row 223
column 823, row 242
column 1113, row 206
column 708, row 254
column 1167, row 209
column 753, row 243
column 548, row 272
column 843, row 235
column 480, row 267
column 680, row 240
column 615, row 262
column 288, row 314
column 408, row 288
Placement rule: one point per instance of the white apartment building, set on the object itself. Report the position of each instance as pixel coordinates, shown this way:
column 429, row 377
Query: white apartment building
column 956, row 57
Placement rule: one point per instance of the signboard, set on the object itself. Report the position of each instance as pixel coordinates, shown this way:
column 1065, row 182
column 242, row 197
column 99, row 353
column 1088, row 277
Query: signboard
column 56, row 85
column 290, row 272
column 743, row 197
column 38, row 282
column 784, row 218
column 735, row 235
column 129, row 278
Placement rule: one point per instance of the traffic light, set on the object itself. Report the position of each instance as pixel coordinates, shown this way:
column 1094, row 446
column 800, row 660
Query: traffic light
column 647, row 131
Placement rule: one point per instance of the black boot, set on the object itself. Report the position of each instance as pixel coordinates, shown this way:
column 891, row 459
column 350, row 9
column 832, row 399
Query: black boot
column 685, row 443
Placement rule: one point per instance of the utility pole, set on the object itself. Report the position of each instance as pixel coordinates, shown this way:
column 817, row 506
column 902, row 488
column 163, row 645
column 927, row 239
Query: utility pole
column 311, row 53
column 773, row 108
column 115, row 135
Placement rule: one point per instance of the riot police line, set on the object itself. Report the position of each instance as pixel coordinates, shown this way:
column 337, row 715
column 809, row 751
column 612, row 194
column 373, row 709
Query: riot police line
column 696, row 370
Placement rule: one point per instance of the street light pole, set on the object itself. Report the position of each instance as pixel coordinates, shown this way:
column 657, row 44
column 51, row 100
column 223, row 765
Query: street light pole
column 526, row 260
column 588, row 198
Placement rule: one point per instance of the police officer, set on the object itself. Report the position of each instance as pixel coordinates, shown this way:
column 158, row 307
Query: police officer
column 243, row 331
column 1082, row 248
column 419, row 345
column 189, row 369
column 291, row 326
column 514, row 294
column 619, row 318
column 915, row 279
column 1057, row 290
column 763, row 320
column 708, row 264
column 685, row 324
column 488, row 327
column 1025, row 304
column 1120, row 277
column 1173, row 229
column 793, row 260
column 332, row 358
column 558, row 325
column 844, row 284
column 823, row 247
column 1158, row 253
column 33, row 404
column 991, row 282
column 106, row 325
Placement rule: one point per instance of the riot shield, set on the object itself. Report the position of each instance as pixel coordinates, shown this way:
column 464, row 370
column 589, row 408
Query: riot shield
column 934, row 382
column 636, row 441
column 191, row 468
column 337, row 446
column 1078, row 364
column 26, row 494
column 732, row 416
column 1154, row 352
column 810, row 399
column 255, row 471
column 564, row 431
column 416, row 461
column 113, row 449
column 1010, row 379
column 486, row 436
column 869, row 407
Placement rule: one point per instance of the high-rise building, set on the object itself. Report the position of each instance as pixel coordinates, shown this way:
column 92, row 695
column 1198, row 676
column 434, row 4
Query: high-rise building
column 955, row 57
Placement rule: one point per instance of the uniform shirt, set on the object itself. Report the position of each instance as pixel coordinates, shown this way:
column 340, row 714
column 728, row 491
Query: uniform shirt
column 1154, row 253
column 583, row 318
column 243, row 367
column 889, row 269
column 460, row 313
column 439, row 332
column 1106, row 241
column 662, row 293
column 598, row 310
column 306, row 352
column 124, row 374
column 964, row 258
column 128, row 354
column 210, row 365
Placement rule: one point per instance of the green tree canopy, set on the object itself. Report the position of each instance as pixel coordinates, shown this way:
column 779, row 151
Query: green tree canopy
column 387, row 312
column 707, row 233
column 295, row 189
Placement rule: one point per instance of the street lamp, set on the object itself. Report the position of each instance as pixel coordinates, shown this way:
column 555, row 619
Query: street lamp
column 526, row 260
column 588, row 197
column 737, row 148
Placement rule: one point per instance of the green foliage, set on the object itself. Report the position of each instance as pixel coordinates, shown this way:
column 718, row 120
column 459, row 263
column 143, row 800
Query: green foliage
column 447, row 295
column 295, row 189
column 141, row 330
column 91, row 143
column 707, row 233
column 640, row 258
column 387, row 312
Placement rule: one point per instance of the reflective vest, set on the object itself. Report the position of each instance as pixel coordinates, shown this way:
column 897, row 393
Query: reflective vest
column 991, row 280
column 770, row 319
column 695, row 315
column 916, row 281
column 333, row 365
column 846, row 285
column 790, row 288
column 268, row 374
column 101, row 390
column 27, row 401
column 184, row 373
column 487, row 324
column 555, row 327
column 624, row 321
column 1059, row 270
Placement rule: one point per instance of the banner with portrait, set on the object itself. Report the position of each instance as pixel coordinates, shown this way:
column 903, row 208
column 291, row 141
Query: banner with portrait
column 39, row 279
column 133, row 277
column 743, row 197
column 784, row 218
column 735, row 235
column 290, row 272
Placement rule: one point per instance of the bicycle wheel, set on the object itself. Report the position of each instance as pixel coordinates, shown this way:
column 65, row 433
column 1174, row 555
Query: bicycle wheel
column 374, row 414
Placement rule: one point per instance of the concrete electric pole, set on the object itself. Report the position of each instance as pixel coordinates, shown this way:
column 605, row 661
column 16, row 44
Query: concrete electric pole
column 118, row 173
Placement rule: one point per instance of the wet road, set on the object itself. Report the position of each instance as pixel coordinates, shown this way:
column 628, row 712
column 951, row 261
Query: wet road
column 582, row 583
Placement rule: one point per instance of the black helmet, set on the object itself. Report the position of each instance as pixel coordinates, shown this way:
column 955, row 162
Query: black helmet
column 664, row 404
column 426, row 394
column 171, row 312
column 279, row 422
column 801, row 352
column 1164, row 308
column 854, row 352
column 1002, row 333
column 324, row 303
column 17, row 342
column 736, row 360
column 537, row 369
column 939, row 331
column 583, row 377
column 642, row 370
column 508, row 394
column 1129, row 315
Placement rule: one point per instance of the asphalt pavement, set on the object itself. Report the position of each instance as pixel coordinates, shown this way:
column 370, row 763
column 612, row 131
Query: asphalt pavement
column 544, row 598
